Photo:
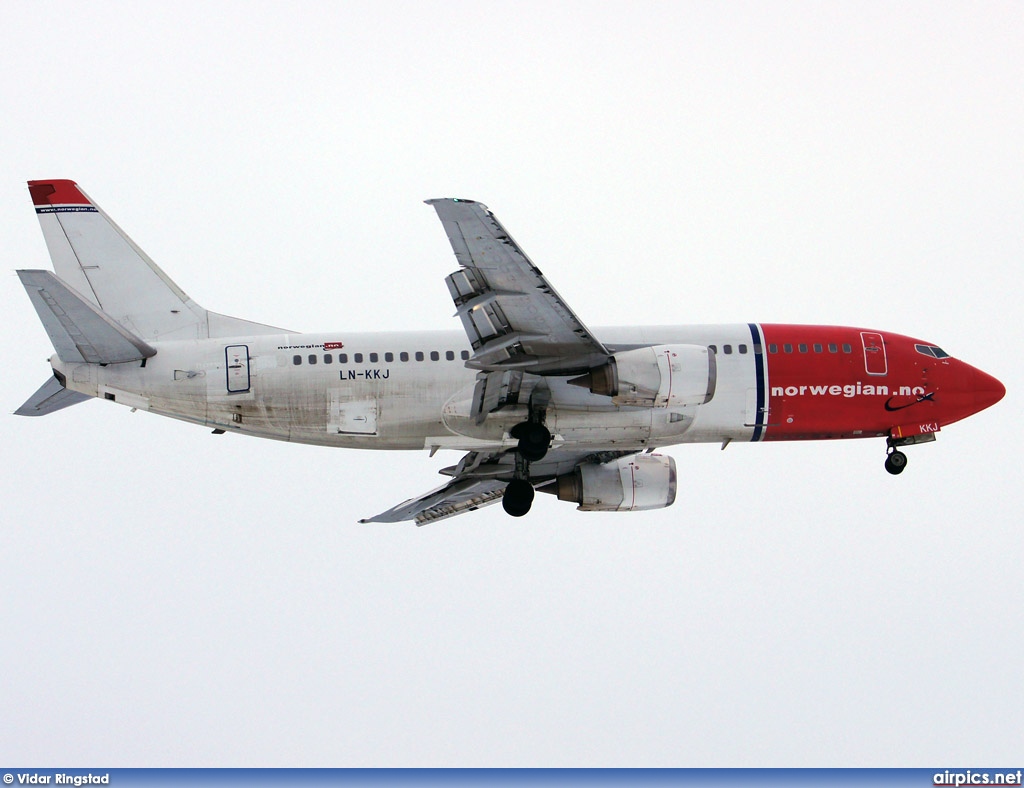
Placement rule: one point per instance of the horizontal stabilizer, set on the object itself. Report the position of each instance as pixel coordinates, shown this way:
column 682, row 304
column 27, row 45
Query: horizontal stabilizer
column 51, row 397
column 78, row 329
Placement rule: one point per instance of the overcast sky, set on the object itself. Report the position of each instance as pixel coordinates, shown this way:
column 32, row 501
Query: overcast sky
column 171, row 598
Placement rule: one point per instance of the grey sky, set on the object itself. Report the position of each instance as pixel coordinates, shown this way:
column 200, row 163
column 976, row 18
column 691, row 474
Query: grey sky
column 168, row 597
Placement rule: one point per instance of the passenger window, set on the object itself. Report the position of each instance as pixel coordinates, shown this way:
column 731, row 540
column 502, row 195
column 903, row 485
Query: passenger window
column 847, row 348
column 449, row 355
column 787, row 348
column 465, row 355
column 389, row 356
column 296, row 360
column 403, row 356
column 328, row 358
column 357, row 357
column 435, row 356
column 773, row 348
column 743, row 350
column 833, row 347
column 727, row 349
column 803, row 347
column 312, row 359
column 713, row 348
column 817, row 347
column 419, row 355
column 373, row 358
column 343, row 358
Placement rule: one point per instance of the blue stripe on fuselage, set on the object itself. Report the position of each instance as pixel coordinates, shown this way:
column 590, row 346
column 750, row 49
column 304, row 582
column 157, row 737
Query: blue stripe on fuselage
column 758, row 340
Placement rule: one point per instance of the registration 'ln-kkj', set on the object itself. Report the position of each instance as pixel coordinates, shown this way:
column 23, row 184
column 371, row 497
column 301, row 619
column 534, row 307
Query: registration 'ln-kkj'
column 532, row 397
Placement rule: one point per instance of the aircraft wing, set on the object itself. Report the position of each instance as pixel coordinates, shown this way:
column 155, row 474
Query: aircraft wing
column 514, row 318
column 461, row 494
column 479, row 480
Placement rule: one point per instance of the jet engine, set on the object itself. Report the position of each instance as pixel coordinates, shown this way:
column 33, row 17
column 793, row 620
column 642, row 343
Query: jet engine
column 628, row 484
column 661, row 376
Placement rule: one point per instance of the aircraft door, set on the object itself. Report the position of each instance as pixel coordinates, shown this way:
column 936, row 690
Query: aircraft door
column 352, row 417
column 236, row 364
column 875, row 362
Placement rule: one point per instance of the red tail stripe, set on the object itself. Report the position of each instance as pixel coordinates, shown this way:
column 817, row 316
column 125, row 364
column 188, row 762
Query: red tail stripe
column 56, row 193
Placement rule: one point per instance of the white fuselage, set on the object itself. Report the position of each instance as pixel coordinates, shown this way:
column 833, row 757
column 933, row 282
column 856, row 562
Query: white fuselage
column 408, row 391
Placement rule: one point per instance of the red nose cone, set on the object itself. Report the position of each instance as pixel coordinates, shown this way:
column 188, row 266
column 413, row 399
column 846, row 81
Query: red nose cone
column 987, row 390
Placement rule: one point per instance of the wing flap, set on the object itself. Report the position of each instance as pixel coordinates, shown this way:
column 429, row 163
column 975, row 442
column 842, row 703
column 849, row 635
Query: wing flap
column 78, row 329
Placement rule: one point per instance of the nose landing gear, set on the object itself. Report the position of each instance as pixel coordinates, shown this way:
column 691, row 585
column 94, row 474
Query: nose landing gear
column 896, row 461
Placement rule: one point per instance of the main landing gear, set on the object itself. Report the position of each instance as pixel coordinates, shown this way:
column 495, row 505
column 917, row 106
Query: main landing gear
column 895, row 461
column 534, row 439
column 518, row 497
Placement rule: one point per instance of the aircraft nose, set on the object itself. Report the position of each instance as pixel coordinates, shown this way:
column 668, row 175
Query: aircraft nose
column 987, row 389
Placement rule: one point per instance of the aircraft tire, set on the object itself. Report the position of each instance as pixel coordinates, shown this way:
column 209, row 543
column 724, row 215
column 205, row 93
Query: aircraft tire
column 518, row 497
column 896, row 462
column 534, row 440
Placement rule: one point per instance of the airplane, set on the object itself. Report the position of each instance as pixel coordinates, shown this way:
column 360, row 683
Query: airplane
column 535, row 399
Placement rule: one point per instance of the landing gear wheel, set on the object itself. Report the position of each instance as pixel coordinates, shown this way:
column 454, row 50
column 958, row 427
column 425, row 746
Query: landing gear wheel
column 518, row 497
column 534, row 440
column 896, row 462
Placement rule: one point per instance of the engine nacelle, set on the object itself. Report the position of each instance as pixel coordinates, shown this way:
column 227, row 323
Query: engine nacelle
column 660, row 377
column 628, row 484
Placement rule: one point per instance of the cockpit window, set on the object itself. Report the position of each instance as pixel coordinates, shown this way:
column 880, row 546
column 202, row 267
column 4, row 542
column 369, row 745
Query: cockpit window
column 931, row 350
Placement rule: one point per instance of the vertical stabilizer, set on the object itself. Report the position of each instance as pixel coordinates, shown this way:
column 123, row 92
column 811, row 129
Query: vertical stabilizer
column 95, row 257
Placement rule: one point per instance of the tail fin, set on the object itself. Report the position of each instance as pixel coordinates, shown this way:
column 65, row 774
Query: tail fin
column 95, row 257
